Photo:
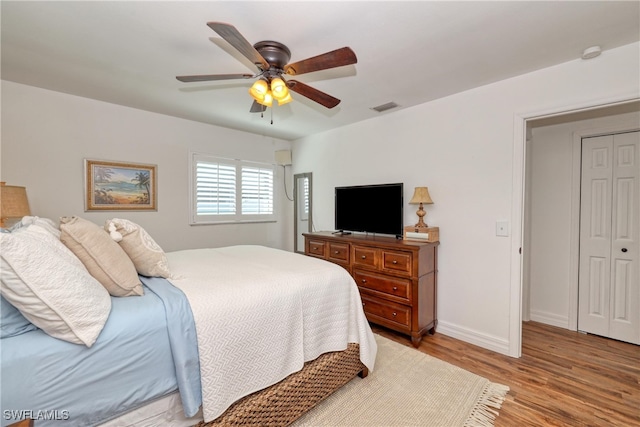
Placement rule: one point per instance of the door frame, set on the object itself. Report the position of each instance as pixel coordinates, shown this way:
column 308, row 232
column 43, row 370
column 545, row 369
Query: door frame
column 296, row 209
column 518, row 206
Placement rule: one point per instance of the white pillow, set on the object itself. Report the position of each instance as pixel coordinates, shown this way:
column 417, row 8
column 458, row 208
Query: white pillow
column 147, row 256
column 49, row 285
column 45, row 223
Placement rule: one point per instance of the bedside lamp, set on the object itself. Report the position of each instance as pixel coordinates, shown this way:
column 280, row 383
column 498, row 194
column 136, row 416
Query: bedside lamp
column 13, row 204
column 420, row 196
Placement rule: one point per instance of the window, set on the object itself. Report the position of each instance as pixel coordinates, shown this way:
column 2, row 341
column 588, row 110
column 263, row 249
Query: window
column 228, row 190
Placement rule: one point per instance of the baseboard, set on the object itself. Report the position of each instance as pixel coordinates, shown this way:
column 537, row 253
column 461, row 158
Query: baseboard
column 547, row 318
column 490, row 342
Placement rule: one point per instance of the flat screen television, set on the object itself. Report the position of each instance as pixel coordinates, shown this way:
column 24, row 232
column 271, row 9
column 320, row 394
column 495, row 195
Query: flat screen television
column 369, row 208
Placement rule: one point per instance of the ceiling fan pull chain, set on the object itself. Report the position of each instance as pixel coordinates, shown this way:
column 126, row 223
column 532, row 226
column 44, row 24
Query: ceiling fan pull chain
column 271, row 115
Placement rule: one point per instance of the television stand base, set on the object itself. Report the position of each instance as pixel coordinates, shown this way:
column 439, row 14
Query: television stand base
column 341, row 233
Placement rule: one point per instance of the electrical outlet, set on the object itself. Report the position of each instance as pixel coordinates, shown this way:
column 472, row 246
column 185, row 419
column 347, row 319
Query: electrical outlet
column 502, row 228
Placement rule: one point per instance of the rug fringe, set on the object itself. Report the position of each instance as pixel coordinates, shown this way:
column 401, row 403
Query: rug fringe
column 482, row 414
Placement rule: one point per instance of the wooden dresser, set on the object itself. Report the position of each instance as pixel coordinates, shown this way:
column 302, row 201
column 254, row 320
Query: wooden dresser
column 397, row 279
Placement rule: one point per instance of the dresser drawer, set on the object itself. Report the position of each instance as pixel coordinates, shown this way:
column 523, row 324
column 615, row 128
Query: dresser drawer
column 316, row 247
column 399, row 262
column 380, row 311
column 363, row 256
column 397, row 287
column 338, row 252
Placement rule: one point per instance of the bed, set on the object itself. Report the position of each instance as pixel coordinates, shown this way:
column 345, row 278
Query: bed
column 242, row 335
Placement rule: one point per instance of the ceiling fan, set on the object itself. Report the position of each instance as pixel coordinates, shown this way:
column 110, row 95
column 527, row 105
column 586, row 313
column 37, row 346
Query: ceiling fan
column 271, row 58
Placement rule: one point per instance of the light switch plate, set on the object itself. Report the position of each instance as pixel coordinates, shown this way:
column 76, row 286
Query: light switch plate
column 502, row 228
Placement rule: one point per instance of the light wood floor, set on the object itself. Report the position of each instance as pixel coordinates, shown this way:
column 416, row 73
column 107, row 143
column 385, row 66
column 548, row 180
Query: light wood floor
column 563, row 378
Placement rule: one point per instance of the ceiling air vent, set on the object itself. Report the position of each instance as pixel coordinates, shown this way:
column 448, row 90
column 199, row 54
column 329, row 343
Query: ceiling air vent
column 384, row 107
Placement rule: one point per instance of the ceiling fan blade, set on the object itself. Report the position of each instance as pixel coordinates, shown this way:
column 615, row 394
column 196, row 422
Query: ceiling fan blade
column 235, row 39
column 257, row 108
column 313, row 94
column 335, row 58
column 209, row 77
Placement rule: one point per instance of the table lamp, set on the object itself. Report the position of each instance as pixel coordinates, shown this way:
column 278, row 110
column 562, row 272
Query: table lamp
column 13, row 204
column 420, row 196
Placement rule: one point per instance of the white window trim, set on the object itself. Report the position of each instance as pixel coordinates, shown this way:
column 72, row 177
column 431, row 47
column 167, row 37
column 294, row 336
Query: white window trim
column 238, row 217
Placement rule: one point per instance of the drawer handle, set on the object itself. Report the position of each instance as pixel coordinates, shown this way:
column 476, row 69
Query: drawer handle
column 315, row 248
column 394, row 262
column 363, row 304
column 364, row 257
column 395, row 288
column 395, row 314
column 336, row 252
column 364, row 280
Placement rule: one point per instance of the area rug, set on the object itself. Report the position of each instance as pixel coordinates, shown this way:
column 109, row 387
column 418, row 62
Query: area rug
column 410, row 388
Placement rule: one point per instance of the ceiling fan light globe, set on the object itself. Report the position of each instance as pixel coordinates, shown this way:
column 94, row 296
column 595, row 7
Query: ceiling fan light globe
column 267, row 100
column 287, row 99
column 281, row 95
column 278, row 88
column 259, row 89
column 257, row 98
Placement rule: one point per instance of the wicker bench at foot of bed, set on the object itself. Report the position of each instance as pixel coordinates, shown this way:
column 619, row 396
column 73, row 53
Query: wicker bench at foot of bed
column 284, row 402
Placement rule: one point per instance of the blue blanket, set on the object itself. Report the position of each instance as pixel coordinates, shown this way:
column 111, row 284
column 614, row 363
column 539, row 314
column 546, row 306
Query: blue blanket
column 146, row 350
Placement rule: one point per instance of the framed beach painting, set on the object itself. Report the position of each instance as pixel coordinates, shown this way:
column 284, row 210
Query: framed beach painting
column 112, row 186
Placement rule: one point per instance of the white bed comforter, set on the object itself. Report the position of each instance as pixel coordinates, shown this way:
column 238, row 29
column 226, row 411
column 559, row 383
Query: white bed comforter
column 260, row 313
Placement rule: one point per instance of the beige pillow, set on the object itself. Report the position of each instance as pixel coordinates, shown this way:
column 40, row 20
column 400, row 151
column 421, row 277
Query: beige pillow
column 147, row 256
column 50, row 286
column 105, row 260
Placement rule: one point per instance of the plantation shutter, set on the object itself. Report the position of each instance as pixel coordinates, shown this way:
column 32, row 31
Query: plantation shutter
column 306, row 198
column 228, row 190
column 257, row 191
column 215, row 189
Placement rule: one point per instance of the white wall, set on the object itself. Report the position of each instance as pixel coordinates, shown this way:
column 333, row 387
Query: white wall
column 551, row 216
column 462, row 147
column 46, row 135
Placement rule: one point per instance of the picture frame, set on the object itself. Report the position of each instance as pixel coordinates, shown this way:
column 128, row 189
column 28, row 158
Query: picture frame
column 120, row 186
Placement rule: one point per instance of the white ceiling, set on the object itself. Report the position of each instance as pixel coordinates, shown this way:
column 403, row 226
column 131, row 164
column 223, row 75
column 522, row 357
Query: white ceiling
column 129, row 52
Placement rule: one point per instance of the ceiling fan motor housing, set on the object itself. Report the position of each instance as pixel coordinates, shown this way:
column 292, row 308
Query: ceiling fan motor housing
column 276, row 54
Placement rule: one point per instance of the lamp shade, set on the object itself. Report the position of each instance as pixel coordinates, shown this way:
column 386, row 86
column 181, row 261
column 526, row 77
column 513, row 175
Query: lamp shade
column 421, row 195
column 13, row 202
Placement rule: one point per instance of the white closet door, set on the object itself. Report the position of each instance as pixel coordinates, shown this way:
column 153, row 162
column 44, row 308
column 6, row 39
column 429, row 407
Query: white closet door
column 609, row 282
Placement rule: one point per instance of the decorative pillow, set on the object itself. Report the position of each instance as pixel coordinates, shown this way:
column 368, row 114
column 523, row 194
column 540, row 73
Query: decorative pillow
column 13, row 322
column 105, row 260
column 147, row 256
column 51, row 287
